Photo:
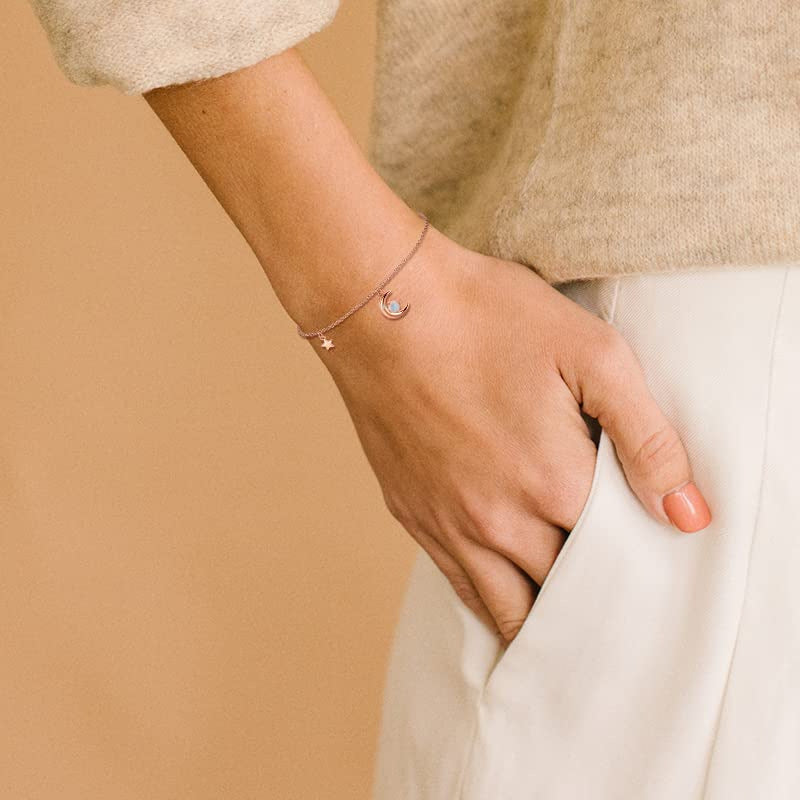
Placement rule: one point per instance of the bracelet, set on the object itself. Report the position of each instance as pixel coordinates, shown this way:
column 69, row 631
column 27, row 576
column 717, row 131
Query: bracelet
column 389, row 309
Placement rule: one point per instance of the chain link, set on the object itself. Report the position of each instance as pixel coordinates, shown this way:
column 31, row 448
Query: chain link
column 362, row 303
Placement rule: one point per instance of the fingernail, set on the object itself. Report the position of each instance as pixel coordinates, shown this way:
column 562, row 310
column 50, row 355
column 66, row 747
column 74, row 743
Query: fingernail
column 687, row 509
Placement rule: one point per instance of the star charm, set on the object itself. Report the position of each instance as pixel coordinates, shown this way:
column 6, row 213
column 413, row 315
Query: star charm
column 327, row 343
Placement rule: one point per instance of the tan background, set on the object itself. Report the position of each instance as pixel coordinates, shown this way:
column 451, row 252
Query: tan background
column 198, row 579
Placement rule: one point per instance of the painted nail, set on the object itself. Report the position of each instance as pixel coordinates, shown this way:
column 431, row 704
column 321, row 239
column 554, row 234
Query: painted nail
column 686, row 508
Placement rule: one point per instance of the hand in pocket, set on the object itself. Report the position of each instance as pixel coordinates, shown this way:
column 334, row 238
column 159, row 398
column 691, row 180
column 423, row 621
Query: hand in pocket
column 470, row 413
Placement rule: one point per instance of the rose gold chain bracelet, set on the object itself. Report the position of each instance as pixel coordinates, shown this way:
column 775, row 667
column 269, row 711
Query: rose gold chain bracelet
column 390, row 309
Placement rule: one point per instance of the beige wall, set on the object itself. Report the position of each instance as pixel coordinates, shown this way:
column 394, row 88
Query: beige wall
column 198, row 579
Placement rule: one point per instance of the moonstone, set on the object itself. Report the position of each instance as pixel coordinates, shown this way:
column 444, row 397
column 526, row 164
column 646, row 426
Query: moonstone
column 394, row 306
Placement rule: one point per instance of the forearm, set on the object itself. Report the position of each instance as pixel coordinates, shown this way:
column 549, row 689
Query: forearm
column 277, row 156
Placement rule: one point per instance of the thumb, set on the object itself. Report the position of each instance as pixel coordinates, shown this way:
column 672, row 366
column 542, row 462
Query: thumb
column 615, row 392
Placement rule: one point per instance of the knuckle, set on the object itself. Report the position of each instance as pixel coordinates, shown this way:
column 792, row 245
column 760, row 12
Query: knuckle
column 489, row 526
column 564, row 501
column 659, row 450
column 393, row 505
column 497, row 535
column 613, row 369
column 478, row 511
column 563, row 496
column 612, row 338
column 611, row 350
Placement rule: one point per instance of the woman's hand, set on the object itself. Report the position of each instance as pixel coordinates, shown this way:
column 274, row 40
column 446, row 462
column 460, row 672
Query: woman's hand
column 468, row 408
column 469, row 411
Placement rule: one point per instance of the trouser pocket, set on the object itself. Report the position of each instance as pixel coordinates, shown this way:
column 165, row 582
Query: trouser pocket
column 548, row 599
column 617, row 686
column 585, row 673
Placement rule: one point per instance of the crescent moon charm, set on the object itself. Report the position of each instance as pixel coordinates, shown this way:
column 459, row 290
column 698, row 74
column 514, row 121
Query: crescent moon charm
column 392, row 309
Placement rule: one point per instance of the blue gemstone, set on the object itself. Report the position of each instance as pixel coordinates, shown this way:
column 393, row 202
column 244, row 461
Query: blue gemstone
column 394, row 306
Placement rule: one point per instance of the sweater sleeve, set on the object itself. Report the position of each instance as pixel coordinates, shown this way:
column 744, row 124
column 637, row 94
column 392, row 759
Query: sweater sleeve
column 136, row 45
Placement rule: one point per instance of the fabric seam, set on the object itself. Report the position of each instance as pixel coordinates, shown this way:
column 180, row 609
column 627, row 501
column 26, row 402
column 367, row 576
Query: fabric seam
column 612, row 314
column 756, row 524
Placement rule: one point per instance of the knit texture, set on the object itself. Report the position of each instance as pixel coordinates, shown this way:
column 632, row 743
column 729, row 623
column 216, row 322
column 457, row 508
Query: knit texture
column 589, row 138
column 583, row 138
column 136, row 45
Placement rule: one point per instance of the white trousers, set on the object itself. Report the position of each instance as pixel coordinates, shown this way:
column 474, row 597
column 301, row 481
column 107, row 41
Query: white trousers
column 654, row 665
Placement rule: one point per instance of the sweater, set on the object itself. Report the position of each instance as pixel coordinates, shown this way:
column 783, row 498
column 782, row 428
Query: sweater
column 582, row 138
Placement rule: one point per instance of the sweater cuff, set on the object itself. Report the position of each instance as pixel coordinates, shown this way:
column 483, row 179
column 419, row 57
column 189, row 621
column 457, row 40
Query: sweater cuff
column 137, row 45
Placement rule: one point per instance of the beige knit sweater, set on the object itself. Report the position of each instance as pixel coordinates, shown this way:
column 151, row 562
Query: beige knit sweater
column 580, row 137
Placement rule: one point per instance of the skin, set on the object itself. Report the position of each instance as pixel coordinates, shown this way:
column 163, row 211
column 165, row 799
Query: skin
column 469, row 409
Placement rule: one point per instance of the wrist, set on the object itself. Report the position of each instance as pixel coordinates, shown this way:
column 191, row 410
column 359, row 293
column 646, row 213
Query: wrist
column 345, row 257
column 385, row 254
column 433, row 284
